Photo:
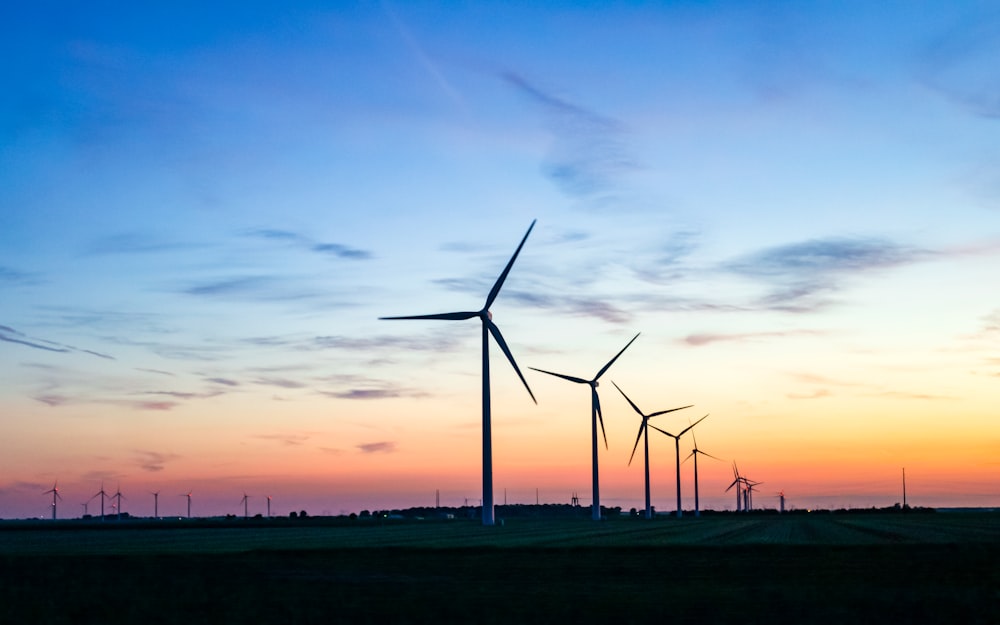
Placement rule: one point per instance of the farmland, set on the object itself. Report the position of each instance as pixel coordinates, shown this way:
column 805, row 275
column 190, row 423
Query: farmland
column 822, row 568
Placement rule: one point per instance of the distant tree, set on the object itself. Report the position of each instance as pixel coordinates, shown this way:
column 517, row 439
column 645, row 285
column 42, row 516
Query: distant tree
column 303, row 514
column 293, row 515
column 352, row 516
column 365, row 514
column 633, row 512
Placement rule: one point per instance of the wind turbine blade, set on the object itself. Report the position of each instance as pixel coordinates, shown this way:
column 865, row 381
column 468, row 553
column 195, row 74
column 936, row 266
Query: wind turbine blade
column 687, row 458
column 597, row 408
column 692, row 425
column 495, row 331
column 631, row 403
column 710, row 456
column 663, row 431
column 656, row 414
column 503, row 275
column 560, row 375
column 637, row 439
column 612, row 361
column 453, row 316
column 735, row 482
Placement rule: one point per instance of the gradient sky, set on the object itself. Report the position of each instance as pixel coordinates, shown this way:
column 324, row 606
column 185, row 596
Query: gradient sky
column 206, row 208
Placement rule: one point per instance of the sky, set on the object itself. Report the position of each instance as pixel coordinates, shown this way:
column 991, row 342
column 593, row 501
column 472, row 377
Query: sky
column 206, row 208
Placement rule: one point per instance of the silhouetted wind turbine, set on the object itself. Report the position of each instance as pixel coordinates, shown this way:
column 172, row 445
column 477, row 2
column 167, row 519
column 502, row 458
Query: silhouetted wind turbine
column 486, row 317
column 188, row 495
column 738, row 483
column 749, row 492
column 84, row 504
column 118, row 495
column 244, row 501
column 677, row 455
column 269, row 506
column 695, row 452
column 595, row 416
column 643, row 434
column 156, row 504
column 55, row 497
column 102, row 494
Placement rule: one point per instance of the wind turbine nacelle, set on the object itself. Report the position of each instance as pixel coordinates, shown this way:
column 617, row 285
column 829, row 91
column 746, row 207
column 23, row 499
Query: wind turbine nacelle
column 489, row 315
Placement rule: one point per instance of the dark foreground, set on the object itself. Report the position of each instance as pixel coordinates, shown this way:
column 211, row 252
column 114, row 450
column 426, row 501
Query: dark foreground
column 562, row 572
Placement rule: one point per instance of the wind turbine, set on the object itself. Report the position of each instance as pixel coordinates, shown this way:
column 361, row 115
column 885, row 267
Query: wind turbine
column 677, row 455
column 738, row 483
column 695, row 452
column 102, row 494
column 244, row 501
column 644, row 434
column 781, row 499
column 748, row 493
column 486, row 317
column 188, row 495
column 55, row 497
column 269, row 506
column 156, row 504
column 118, row 495
column 595, row 416
column 84, row 504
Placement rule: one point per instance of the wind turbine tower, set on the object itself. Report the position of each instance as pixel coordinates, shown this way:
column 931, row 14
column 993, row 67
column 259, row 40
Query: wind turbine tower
column 156, row 504
column 118, row 495
column 696, row 452
column 644, row 435
column 244, row 501
column 102, row 495
column 677, row 456
column 55, row 498
column 489, row 328
column 595, row 417
column 188, row 495
column 269, row 506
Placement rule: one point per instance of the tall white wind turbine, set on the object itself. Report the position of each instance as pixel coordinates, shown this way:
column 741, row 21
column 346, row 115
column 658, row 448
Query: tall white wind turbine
column 595, row 417
column 486, row 317
column 644, row 435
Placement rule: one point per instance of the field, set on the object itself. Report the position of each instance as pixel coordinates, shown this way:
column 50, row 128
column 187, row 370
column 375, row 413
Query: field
column 805, row 568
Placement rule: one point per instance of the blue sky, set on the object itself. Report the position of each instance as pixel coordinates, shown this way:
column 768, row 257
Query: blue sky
column 206, row 208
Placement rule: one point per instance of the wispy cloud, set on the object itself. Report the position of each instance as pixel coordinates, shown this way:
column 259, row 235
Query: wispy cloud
column 365, row 388
column 134, row 243
column 290, row 440
column 961, row 65
column 381, row 447
column 699, row 340
column 588, row 151
column 223, row 381
column 14, row 277
column 800, row 273
column 338, row 250
column 153, row 461
column 11, row 335
column 280, row 382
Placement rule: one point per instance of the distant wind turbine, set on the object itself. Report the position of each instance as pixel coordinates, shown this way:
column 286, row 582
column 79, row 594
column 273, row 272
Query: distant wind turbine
column 595, row 417
column 738, row 483
column 102, row 495
column 244, row 501
column 118, row 495
column 269, row 506
column 644, row 435
column 696, row 452
column 156, row 504
column 486, row 317
column 677, row 455
column 188, row 495
column 55, row 497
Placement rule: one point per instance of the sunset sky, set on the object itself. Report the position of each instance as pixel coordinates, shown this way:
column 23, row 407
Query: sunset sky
column 204, row 209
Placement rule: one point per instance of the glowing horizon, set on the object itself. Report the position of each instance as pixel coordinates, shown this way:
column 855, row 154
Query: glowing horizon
column 205, row 215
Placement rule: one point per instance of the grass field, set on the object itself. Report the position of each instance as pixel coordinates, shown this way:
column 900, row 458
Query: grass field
column 817, row 568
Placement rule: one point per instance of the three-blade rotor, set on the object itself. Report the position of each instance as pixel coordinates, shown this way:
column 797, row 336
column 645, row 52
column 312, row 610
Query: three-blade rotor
column 485, row 316
column 645, row 419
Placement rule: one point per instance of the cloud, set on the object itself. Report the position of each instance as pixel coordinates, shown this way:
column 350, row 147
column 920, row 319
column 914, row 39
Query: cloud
column 153, row 461
column 699, row 340
column 52, row 399
column 184, row 395
column 587, row 152
column 285, row 439
column 223, row 381
column 249, row 285
column 279, row 382
column 133, row 243
column 10, row 335
column 359, row 393
column 962, row 64
column 156, row 371
column 800, row 272
column 818, row 394
column 154, row 405
column 338, row 250
column 385, row 342
column 13, row 276
column 382, row 447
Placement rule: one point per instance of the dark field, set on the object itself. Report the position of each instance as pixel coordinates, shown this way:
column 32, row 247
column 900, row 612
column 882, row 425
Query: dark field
column 816, row 568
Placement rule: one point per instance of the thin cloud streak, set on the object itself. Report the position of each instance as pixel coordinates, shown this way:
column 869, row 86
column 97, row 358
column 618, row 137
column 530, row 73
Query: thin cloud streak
column 381, row 447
